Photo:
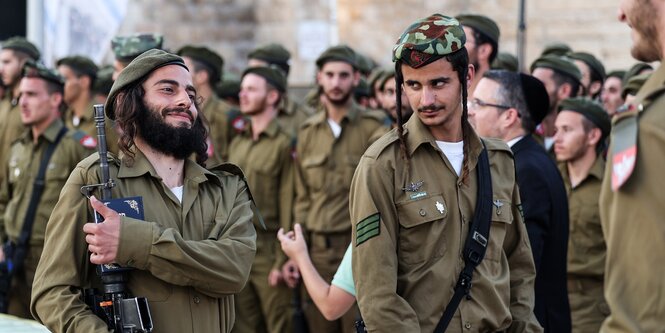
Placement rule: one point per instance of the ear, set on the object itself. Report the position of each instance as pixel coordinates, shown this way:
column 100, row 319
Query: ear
column 509, row 118
column 564, row 91
column 470, row 74
column 318, row 77
column 594, row 136
column 356, row 78
column 85, row 81
column 273, row 96
column 55, row 100
column 200, row 77
column 484, row 51
column 595, row 87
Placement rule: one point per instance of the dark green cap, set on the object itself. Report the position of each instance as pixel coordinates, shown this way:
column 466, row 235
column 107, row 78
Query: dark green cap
column 143, row 65
column 80, row 64
column 591, row 61
column 104, row 80
column 506, row 61
column 375, row 75
column 617, row 73
column 23, row 45
column 273, row 54
column 338, row 53
column 591, row 110
column 365, row 64
column 362, row 89
column 126, row 48
column 390, row 73
column 429, row 39
column 482, row 24
column 634, row 84
column 36, row 69
column 207, row 56
column 274, row 76
column 228, row 88
column 636, row 69
column 559, row 64
column 556, row 48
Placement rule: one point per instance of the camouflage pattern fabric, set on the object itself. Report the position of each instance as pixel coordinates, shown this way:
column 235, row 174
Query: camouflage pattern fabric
column 127, row 48
column 431, row 37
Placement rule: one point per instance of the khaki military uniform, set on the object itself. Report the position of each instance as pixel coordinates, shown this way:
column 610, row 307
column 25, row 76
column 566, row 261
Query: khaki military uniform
column 268, row 165
column 291, row 115
column 411, row 220
column 86, row 124
column 324, row 170
column 189, row 258
column 11, row 127
column 224, row 123
column 24, row 162
column 632, row 219
column 586, row 251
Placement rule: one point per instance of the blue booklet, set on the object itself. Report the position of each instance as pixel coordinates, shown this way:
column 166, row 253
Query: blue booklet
column 131, row 207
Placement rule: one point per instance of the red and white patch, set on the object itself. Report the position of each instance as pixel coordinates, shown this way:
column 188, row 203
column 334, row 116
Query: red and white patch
column 239, row 124
column 88, row 142
column 623, row 164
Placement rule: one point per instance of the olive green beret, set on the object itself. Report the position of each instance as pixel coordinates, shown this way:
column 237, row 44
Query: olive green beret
column 80, row 64
column 126, row 48
column 559, row 49
column 273, row 54
column 143, row 65
column 636, row 69
column 562, row 65
column 338, row 53
column 274, row 76
column 205, row 55
column 617, row 73
column 482, row 24
column 228, row 88
column 634, row 84
column 505, row 61
column 38, row 70
column 365, row 64
column 384, row 78
column 104, row 80
column 591, row 110
column 362, row 89
column 23, row 45
column 591, row 61
column 429, row 39
column 375, row 75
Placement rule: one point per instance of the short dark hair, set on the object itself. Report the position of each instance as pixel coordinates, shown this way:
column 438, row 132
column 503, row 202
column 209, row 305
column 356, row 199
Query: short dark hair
column 213, row 75
column 510, row 93
column 560, row 79
column 481, row 39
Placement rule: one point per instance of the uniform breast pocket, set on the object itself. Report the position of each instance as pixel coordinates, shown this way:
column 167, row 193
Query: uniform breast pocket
column 314, row 169
column 421, row 232
column 502, row 218
column 57, row 174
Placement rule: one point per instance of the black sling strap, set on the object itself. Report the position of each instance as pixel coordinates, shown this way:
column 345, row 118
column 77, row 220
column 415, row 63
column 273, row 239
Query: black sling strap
column 476, row 241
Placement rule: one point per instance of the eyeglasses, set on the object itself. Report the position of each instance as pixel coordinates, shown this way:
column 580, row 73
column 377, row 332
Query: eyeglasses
column 477, row 104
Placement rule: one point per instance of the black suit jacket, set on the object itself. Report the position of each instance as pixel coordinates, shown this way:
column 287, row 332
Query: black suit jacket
column 545, row 206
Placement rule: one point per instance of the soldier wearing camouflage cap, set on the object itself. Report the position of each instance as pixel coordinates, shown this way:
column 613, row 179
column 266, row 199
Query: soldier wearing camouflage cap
column 126, row 48
column 482, row 43
column 611, row 96
column 412, row 199
column 593, row 73
column 41, row 102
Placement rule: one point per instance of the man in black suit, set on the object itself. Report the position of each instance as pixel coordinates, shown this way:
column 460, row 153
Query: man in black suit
column 508, row 106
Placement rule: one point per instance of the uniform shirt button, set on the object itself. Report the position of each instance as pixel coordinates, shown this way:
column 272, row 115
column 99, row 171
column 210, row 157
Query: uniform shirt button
column 197, row 300
column 422, row 212
column 467, row 325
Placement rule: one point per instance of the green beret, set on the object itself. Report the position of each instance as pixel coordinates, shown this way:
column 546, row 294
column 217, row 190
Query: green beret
column 505, row 61
column 126, row 48
column 104, row 80
column 617, row 73
column 365, row 64
column 636, row 69
column 362, row 89
column 228, row 88
column 23, row 45
column 482, row 24
column 143, row 65
column 273, row 54
column 207, row 56
column 562, row 65
column 591, row 61
column 384, row 78
column 559, row 49
column 429, row 39
column 591, row 110
column 80, row 64
column 375, row 75
column 634, row 84
column 338, row 53
column 38, row 70
column 274, row 76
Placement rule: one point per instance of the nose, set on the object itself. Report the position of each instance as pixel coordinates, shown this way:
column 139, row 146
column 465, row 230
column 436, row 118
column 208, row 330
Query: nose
column 183, row 99
column 621, row 16
column 427, row 97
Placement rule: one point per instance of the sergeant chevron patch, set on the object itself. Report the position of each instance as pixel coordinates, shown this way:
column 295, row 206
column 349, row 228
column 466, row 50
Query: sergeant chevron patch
column 368, row 228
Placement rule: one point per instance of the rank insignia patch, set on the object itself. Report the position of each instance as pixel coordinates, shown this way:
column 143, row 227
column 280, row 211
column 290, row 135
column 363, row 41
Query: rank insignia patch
column 368, row 228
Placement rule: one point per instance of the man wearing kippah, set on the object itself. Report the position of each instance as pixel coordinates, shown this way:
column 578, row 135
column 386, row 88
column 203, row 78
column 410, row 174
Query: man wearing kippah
column 265, row 153
column 330, row 144
column 126, row 48
column 413, row 199
column 482, row 43
column 508, row 106
column 582, row 127
column 41, row 91
column 193, row 248
column 610, row 96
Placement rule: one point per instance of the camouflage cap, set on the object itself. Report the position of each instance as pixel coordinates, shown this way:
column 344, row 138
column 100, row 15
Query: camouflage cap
column 338, row 53
column 80, row 64
column 591, row 110
column 591, row 61
column 273, row 54
column 104, row 81
column 481, row 24
column 536, row 97
column 562, row 65
column 23, row 45
column 143, row 65
column 274, row 76
column 228, row 88
column 556, row 48
column 34, row 69
column 634, row 84
column 505, row 61
column 429, row 39
column 126, row 48
column 617, row 73
column 636, row 69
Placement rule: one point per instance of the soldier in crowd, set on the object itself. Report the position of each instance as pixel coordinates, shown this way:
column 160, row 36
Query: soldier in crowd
column 375, row 88
column 610, row 96
column 482, row 43
column 581, row 129
column 388, row 85
column 329, row 147
column 126, row 48
column 556, row 49
column 508, row 106
column 637, row 69
column 593, row 73
column 631, row 87
column 193, row 250
column 228, row 90
column 506, row 61
column 264, row 151
column 224, row 122
column 412, row 202
column 45, row 153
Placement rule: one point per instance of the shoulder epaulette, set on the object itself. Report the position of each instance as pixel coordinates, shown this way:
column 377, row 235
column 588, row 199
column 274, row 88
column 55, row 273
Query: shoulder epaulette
column 228, row 168
column 378, row 115
column 382, row 143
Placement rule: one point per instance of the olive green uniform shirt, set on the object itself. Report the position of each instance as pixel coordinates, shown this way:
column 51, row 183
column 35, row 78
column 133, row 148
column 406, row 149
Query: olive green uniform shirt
column 633, row 221
column 411, row 220
column 86, row 124
column 11, row 127
column 326, row 165
column 189, row 258
column 291, row 115
column 224, row 123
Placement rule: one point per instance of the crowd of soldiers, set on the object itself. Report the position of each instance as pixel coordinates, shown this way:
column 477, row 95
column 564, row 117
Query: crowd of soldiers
column 366, row 190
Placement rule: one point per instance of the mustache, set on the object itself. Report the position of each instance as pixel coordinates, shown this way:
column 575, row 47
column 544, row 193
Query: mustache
column 168, row 111
column 431, row 107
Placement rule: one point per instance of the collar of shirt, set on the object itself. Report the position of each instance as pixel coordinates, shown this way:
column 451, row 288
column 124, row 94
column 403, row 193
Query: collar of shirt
column 650, row 88
column 141, row 166
column 351, row 115
column 49, row 134
column 270, row 131
column 512, row 142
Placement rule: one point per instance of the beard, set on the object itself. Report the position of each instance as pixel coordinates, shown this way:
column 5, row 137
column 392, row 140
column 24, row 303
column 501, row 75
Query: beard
column 178, row 142
column 644, row 20
column 341, row 100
